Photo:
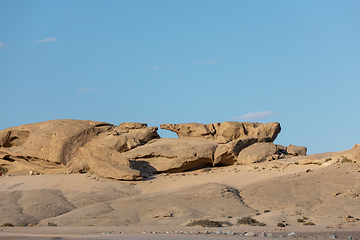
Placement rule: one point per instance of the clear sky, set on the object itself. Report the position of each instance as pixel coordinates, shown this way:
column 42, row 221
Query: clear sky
column 178, row 61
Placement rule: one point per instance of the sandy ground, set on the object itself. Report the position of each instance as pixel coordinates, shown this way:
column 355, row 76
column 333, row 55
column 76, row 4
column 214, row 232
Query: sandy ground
column 85, row 206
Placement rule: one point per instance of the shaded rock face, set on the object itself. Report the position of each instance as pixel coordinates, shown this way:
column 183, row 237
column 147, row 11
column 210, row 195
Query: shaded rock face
column 226, row 131
column 77, row 144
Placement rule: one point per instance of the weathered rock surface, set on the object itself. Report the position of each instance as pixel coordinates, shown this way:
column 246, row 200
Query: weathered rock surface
column 54, row 140
column 106, row 162
column 77, row 144
column 172, row 155
column 296, row 150
column 126, row 151
column 257, row 152
column 226, row 154
column 226, row 131
column 122, row 141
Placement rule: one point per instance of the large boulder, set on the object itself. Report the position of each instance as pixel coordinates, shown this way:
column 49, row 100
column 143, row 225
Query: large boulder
column 55, row 140
column 226, row 154
column 296, row 150
column 226, row 131
column 257, row 152
column 172, row 155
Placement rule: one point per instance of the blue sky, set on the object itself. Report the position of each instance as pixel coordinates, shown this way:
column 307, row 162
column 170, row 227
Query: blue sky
column 153, row 61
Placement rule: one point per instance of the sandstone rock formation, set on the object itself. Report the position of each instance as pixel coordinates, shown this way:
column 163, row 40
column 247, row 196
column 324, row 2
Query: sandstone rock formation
column 226, row 154
column 54, row 140
column 226, row 131
column 106, row 162
column 122, row 141
column 172, row 155
column 130, row 150
column 76, row 144
column 296, row 150
column 258, row 152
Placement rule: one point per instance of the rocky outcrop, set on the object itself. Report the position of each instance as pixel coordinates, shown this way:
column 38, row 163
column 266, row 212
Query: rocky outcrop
column 355, row 153
column 172, row 155
column 79, row 145
column 226, row 131
column 105, row 162
column 226, row 154
column 296, row 150
column 54, row 141
column 133, row 150
column 122, row 141
column 258, row 152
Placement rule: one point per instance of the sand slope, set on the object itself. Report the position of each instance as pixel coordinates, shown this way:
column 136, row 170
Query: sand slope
column 327, row 195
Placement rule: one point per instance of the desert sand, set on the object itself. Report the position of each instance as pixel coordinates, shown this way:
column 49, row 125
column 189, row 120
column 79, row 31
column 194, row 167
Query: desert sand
column 328, row 196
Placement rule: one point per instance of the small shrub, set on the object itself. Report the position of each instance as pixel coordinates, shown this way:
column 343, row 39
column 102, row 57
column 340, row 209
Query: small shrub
column 328, row 159
column 249, row 221
column 204, row 223
column 345, row 160
column 3, row 170
column 50, row 224
column 296, row 163
column 281, row 225
column 229, row 224
column 308, row 223
column 300, row 220
column 267, row 211
column 7, row 225
column 33, row 224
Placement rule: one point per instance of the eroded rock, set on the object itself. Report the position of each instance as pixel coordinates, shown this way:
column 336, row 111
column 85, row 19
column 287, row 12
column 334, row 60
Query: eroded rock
column 54, row 140
column 123, row 141
column 226, row 154
column 69, row 143
column 257, row 152
column 172, row 155
column 226, row 131
column 105, row 162
column 296, row 150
